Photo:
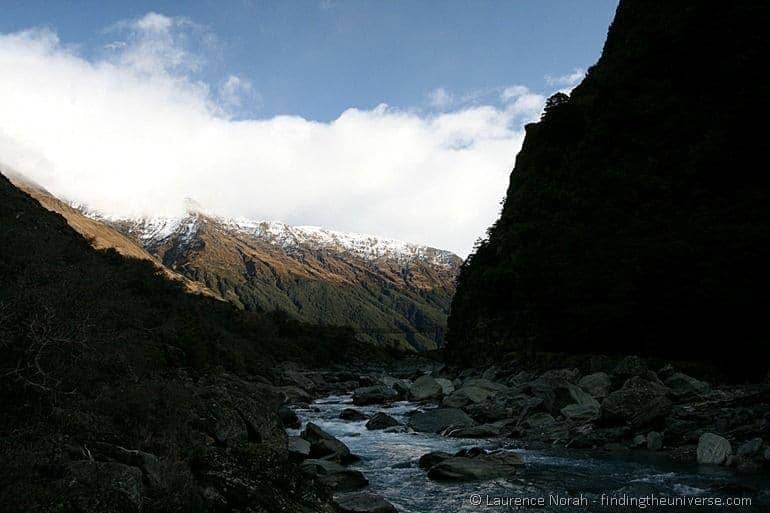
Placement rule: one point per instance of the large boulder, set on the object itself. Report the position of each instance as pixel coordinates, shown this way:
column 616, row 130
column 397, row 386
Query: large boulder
column 333, row 475
column 425, row 388
column 381, row 421
column 476, row 465
column 439, row 419
column 639, row 403
column 352, row 415
column 684, row 387
column 377, row 394
column 597, row 384
column 713, row 449
column 362, row 502
column 324, row 445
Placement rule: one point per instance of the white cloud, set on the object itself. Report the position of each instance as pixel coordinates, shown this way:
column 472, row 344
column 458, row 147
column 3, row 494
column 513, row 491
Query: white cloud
column 568, row 81
column 233, row 90
column 440, row 98
column 132, row 134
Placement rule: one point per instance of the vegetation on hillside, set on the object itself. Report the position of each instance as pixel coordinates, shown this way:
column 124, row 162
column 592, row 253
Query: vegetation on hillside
column 637, row 219
column 101, row 349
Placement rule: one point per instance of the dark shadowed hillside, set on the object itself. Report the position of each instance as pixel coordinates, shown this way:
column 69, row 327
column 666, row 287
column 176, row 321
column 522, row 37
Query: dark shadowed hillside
column 637, row 217
column 122, row 392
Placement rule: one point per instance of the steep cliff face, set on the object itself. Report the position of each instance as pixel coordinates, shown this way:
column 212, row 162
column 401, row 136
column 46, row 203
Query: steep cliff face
column 636, row 220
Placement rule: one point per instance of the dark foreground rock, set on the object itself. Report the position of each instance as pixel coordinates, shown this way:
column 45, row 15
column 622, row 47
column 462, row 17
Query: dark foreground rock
column 362, row 502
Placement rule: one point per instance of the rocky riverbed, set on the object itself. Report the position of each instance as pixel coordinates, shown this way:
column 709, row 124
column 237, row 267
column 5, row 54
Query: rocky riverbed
column 430, row 439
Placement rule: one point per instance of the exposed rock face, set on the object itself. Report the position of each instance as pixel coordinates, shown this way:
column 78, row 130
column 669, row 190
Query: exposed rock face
column 713, row 449
column 621, row 231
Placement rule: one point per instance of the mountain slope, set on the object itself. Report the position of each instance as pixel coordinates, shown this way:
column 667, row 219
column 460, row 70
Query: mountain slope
column 637, row 216
column 392, row 293
column 101, row 353
column 100, row 235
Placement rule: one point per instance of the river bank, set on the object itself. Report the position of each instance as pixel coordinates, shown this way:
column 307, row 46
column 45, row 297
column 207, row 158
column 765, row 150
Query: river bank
column 631, row 432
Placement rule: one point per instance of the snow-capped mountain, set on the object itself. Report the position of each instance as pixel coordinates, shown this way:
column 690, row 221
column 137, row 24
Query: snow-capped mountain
column 391, row 292
column 155, row 230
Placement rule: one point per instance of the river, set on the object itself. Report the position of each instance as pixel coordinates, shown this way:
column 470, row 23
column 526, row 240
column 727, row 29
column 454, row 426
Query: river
column 389, row 461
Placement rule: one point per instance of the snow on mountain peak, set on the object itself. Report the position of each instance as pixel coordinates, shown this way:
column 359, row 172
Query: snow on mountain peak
column 154, row 230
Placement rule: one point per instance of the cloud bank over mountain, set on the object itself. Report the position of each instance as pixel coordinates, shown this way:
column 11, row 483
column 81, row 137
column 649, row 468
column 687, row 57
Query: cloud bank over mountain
column 133, row 130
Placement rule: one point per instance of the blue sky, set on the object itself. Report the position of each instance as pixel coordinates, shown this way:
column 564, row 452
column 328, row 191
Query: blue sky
column 316, row 58
column 393, row 118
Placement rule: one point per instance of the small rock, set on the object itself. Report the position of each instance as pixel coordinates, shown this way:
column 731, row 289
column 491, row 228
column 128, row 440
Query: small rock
column 639, row 441
column 288, row 418
column 750, row 448
column 713, row 449
column 381, row 421
column 654, row 441
column 352, row 415
column 439, row 419
column 425, row 388
column 362, row 502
